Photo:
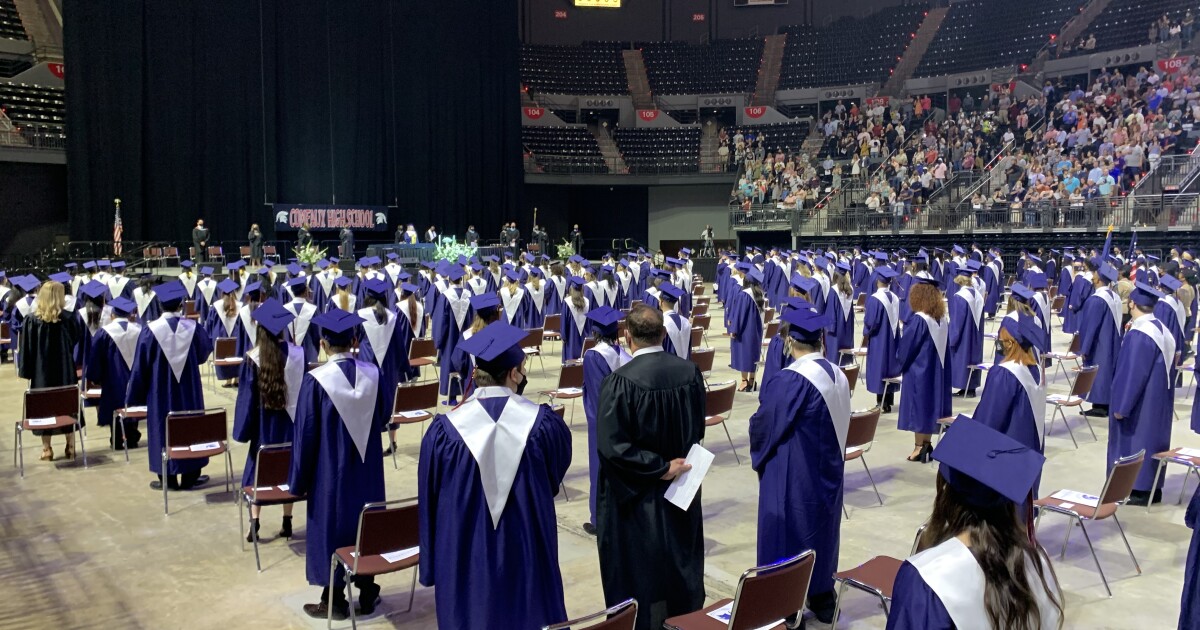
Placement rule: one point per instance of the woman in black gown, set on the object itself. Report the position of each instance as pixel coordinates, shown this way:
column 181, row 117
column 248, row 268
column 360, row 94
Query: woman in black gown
column 48, row 336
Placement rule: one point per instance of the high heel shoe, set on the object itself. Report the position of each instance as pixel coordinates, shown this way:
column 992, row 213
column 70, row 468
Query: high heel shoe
column 69, row 452
column 745, row 386
column 923, row 455
column 753, row 387
column 286, row 530
column 47, row 454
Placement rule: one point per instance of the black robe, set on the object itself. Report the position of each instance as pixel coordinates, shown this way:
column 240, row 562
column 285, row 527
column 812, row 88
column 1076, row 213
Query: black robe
column 347, row 238
column 47, row 354
column 651, row 411
column 200, row 241
column 256, row 244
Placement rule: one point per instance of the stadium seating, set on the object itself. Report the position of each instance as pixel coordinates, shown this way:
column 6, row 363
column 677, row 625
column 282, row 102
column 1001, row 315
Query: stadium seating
column 787, row 137
column 593, row 68
column 11, row 26
column 988, row 34
column 672, row 149
column 564, row 149
column 36, row 109
column 1126, row 23
column 849, row 50
column 724, row 66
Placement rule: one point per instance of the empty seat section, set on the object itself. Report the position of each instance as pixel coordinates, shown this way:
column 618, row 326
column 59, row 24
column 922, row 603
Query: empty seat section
column 593, row 68
column 665, row 150
column 563, row 149
column 849, row 50
column 980, row 34
column 725, row 66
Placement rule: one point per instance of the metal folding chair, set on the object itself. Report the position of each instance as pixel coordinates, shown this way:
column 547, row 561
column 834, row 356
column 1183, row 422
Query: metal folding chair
column 388, row 541
column 48, row 408
column 272, row 464
column 195, row 435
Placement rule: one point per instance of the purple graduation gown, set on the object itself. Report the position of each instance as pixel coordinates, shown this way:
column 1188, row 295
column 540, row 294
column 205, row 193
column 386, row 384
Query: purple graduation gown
column 1189, row 604
column 1004, row 406
column 327, row 467
column 1144, row 399
column 839, row 335
column 446, row 337
column 572, row 335
column 106, row 368
column 774, row 360
column 925, row 390
column 914, row 605
column 595, row 369
column 993, row 283
column 1081, row 290
column 215, row 328
column 392, row 359
column 800, row 464
column 966, row 343
column 254, row 424
column 744, row 322
column 153, row 384
column 485, row 576
column 307, row 338
column 881, row 344
column 1099, row 343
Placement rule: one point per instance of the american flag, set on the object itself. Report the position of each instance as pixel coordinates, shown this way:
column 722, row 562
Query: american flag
column 118, row 230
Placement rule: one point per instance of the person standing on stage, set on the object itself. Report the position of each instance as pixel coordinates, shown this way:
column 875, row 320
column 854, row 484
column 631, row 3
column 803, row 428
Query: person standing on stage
column 165, row 377
column 410, row 235
column 200, row 235
column 303, row 236
column 346, row 236
column 651, row 413
column 487, row 476
column 256, row 245
column 337, row 460
column 399, row 234
column 577, row 240
column 797, row 447
column 471, row 237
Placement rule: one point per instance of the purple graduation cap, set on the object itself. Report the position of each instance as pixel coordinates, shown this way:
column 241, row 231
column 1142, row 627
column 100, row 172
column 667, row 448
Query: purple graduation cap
column 669, row 292
column 94, row 290
column 343, row 282
column 497, row 347
column 755, row 275
column 170, row 295
column 886, row 272
column 227, row 286
column 272, row 316
column 28, row 283
column 61, row 277
column 123, row 307
column 485, row 304
column 605, row 319
column 1022, row 293
column 377, row 288
column 337, row 326
column 1169, row 284
column 408, row 287
column 1026, row 331
column 805, row 324
column 984, row 467
column 512, row 275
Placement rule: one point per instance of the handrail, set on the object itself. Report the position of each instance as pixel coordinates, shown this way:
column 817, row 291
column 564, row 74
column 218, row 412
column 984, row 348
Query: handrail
column 990, row 167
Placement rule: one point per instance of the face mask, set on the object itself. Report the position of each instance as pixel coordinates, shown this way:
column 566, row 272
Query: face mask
column 522, row 384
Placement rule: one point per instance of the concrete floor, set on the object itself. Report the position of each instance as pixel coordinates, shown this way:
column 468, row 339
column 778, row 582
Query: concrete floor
column 91, row 548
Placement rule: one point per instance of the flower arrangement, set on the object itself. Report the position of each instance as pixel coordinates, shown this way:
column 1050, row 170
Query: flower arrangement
column 309, row 254
column 565, row 249
column 448, row 248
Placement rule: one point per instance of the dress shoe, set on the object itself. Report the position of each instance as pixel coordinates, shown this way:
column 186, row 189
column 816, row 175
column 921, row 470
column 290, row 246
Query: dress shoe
column 1143, row 497
column 368, row 599
column 200, row 481
column 1095, row 412
column 589, row 529
column 389, row 450
column 341, row 610
column 285, row 531
column 157, row 485
column 254, row 525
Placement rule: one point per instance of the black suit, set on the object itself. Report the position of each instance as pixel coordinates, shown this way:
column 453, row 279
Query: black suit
column 347, row 249
column 303, row 237
column 200, row 241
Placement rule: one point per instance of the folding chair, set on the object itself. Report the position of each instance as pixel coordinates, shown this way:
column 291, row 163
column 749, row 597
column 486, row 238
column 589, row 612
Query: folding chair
column 697, row 336
column 703, row 321
column 769, row 333
column 876, row 576
column 422, row 352
column 272, row 464
column 532, row 346
column 623, row 616
column 388, row 541
column 224, row 355
column 170, row 252
column 699, row 309
column 120, row 416
column 859, row 437
column 765, row 596
column 269, row 251
column 570, row 385
column 195, row 435
column 1191, row 367
column 698, row 289
column 47, row 408
column 1117, row 488
column 244, row 252
column 215, row 253
column 703, row 358
column 1079, row 391
column 861, row 305
column 588, row 344
column 1072, row 354
column 551, row 327
column 851, row 372
column 412, row 404
column 1189, row 457
column 718, row 406
column 189, row 310
column 769, row 315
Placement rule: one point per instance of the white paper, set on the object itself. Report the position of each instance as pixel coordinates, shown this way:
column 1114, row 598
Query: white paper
column 1189, row 452
column 570, row 390
column 683, row 489
column 42, row 422
column 284, row 487
column 264, row 489
column 231, row 360
column 724, row 613
column 180, row 448
column 205, row 447
column 1060, row 398
column 1076, row 497
column 412, row 414
column 95, row 391
column 1066, row 506
column 397, row 556
column 136, row 409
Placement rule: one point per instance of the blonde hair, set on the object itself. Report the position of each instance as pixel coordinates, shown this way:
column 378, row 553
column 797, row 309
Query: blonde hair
column 963, row 281
column 51, row 299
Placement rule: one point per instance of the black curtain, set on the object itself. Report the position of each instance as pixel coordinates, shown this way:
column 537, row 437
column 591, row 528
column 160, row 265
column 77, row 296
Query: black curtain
column 213, row 109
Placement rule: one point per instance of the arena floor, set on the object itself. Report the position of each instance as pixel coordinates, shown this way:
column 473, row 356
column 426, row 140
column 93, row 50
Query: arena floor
column 92, row 549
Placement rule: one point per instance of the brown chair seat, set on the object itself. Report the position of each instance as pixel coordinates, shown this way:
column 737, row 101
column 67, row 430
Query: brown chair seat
column 187, row 453
column 273, row 496
column 700, row 620
column 59, row 422
column 712, row 421
column 132, row 415
column 1065, row 507
column 375, row 565
column 420, row 362
column 854, row 453
column 877, row 575
column 400, row 419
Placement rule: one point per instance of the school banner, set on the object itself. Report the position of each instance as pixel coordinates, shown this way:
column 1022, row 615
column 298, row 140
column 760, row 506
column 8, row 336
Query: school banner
column 289, row 216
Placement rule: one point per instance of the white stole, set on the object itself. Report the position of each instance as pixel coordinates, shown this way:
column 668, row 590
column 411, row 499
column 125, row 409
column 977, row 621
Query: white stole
column 207, row 287
column 624, row 278
column 680, row 334
column 175, row 345
column 416, row 326
column 293, row 375
column 835, row 391
column 380, row 335
column 560, row 285
column 227, row 321
column 847, row 303
column 143, row 299
column 578, row 317
column 891, row 306
column 497, row 445
column 594, row 285
column 939, row 333
column 614, row 357
column 974, row 301
column 537, row 296
column 299, row 325
column 512, row 302
column 1034, row 391
column 1114, row 304
column 1180, row 316
column 459, row 304
column 1165, row 342
column 117, row 284
column 248, row 325
column 125, row 338
column 325, row 279
column 824, row 282
column 477, row 285
column 189, row 284
column 355, row 405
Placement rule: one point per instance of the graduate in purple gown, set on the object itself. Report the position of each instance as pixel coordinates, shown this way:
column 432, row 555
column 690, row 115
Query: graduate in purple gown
column 381, row 340
column 205, row 293
column 252, row 295
column 1100, row 334
column 744, row 322
column 449, row 321
column 119, row 285
column 1173, row 314
column 574, row 320
column 301, row 331
column 993, row 279
column 797, row 447
column 598, row 362
column 536, row 289
column 337, row 460
column 840, row 309
column 776, row 357
column 965, row 305
column 1189, row 604
column 925, row 363
column 512, row 298
column 343, row 297
column 165, row 377
column 678, row 339
column 487, row 476
column 1142, row 399
column 1081, row 289
column 223, row 321
column 977, row 566
column 268, row 389
column 556, row 290
column 110, row 360
column 881, row 336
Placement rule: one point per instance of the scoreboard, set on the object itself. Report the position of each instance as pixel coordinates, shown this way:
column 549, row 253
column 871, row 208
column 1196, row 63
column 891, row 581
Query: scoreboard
column 605, row 4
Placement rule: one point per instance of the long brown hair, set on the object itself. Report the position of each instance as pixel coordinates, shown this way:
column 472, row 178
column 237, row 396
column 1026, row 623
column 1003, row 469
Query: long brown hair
column 1013, row 350
column 1001, row 545
column 576, row 295
column 229, row 304
column 925, row 298
column 272, row 385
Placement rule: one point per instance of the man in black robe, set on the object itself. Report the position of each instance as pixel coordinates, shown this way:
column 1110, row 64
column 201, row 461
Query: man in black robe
column 200, row 237
column 651, row 413
column 471, row 237
column 303, row 238
column 577, row 240
column 347, row 247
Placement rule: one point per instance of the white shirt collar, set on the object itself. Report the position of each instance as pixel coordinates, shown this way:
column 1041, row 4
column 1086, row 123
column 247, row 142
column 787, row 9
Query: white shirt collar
column 650, row 350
